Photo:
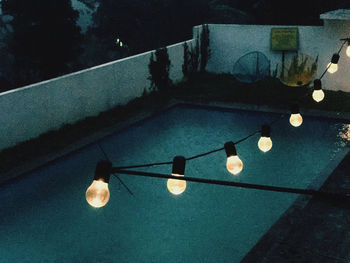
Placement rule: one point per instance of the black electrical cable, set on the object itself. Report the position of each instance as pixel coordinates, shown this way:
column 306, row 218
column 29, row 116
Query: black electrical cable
column 222, row 148
column 340, row 49
column 120, row 180
column 311, row 192
column 198, row 155
column 324, row 72
column 345, row 41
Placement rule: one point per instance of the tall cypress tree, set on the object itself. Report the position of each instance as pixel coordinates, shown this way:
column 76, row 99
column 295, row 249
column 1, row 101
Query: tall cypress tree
column 45, row 41
column 204, row 48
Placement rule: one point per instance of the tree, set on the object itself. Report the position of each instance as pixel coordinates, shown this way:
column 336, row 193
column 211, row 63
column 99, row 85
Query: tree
column 146, row 25
column 45, row 41
column 186, row 59
column 204, row 48
column 159, row 70
column 194, row 59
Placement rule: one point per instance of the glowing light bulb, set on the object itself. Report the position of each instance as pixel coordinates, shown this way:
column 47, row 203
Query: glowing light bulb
column 175, row 186
column 265, row 143
column 332, row 68
column 97, row 195
column 318, row 95
column 333, row 65
column 296, row 120
column 233, row 164
column 348, row 51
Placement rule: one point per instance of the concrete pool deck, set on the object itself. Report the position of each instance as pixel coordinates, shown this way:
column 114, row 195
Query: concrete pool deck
column 304, row 229
column 316, row 232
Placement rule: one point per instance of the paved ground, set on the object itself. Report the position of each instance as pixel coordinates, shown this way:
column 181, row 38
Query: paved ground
column 317, row 232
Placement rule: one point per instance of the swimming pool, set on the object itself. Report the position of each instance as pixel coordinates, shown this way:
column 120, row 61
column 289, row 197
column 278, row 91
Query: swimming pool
column 44, row 216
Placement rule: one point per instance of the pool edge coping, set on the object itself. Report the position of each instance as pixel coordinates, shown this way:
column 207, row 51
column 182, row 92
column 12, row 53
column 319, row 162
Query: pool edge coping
column 29, row 166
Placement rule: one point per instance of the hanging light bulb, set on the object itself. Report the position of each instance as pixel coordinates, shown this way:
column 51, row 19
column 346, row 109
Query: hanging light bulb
column 333, row 65
column 318, row 94
column 174, row 186
column 233, row 164
column 97, row 195
column 348, row 48
column 265, row 143
column 295, row 118
column 348, row 51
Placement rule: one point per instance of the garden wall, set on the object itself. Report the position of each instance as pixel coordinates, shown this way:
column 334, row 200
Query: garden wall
column 230, row 42
column 32, row 110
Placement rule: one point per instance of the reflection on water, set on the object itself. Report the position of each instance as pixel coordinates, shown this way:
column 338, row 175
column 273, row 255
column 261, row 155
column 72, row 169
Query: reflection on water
column 343, row 137
column 344, row 134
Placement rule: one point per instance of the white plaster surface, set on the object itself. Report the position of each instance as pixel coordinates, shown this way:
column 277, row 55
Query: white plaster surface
column 230, row 42
column 32, row 110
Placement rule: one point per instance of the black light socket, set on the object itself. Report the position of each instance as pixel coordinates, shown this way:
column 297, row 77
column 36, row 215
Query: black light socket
column 335, row 58
column 230, row 149
column 295, row 109
column 103, row 171
column 265, row 130
column 317, row 84
column 179, row 164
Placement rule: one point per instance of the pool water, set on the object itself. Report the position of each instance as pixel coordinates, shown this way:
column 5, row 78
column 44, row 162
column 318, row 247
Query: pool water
column 44, row 216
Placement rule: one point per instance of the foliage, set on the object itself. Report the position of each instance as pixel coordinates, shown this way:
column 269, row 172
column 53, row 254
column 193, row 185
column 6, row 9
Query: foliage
column 154, row 23
column 186, row 59
column 274, row 72
column 196, row 56
column 54, row 141
column 194, row 59
column 159, row 67
column 300, row 71
column 224, row 87
column 45, row 40
column 204, row 48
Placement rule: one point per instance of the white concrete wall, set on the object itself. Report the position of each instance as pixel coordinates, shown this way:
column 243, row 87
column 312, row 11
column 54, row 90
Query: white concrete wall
column 32, row 110
column 229, row 42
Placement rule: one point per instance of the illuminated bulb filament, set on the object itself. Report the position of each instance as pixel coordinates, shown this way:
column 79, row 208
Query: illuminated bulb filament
column 265, row 144
column 296, row 120
column 97, row 195
column 332, row 68
column 234, row 165
column 318, row 95
column 176, row 187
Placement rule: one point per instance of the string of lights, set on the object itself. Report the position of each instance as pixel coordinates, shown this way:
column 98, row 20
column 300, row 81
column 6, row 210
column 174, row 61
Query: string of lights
column 97, row 195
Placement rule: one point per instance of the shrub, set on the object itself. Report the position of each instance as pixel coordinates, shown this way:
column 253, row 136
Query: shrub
column 204, row 48
column 159, row 67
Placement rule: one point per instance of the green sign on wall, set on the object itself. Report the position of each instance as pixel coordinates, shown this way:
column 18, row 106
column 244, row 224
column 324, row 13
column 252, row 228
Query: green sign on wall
column 284, row 39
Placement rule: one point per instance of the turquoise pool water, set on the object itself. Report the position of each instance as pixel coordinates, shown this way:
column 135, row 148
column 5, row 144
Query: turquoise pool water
column 44, row 216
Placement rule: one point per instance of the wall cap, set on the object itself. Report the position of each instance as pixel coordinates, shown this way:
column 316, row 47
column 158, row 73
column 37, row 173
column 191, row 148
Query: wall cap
column 339, row 14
